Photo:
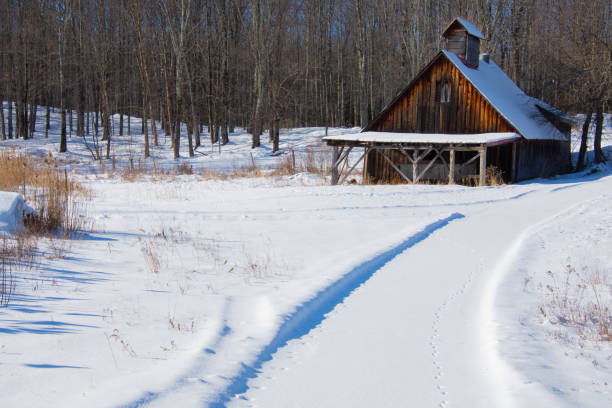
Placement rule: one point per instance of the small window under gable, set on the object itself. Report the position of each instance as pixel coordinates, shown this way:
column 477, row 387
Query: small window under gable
column 445, row 92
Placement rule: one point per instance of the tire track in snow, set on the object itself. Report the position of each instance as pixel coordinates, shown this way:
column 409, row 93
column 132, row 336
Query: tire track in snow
column 191, row 376
column 313, row 312
column 504, row 262
column 504, row 371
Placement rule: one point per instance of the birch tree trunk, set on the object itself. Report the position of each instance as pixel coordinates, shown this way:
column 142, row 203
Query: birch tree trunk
column 259, row 70
column 361, row 56
column 62, row 23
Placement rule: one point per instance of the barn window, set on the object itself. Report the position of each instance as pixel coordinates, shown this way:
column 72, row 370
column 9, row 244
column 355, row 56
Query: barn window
column 445, row 92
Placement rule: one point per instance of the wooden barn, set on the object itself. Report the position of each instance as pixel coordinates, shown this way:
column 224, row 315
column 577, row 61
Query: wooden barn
column 460, row 116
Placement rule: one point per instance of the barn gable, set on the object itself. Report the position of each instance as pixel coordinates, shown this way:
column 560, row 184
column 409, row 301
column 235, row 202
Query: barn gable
column 440, row 100
column 460, row 117
column 479, row 100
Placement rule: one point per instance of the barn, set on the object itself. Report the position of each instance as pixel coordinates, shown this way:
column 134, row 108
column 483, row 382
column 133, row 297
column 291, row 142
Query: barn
column 458, row 119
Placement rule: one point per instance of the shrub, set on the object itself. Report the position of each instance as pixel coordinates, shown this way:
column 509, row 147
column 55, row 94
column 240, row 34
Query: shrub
column 58, row 199
column 581, row 300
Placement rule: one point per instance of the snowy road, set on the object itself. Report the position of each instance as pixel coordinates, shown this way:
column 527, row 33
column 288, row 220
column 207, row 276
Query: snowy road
column 423, row 327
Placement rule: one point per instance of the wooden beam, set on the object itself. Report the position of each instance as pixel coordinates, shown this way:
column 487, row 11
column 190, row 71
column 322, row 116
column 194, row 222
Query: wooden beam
column 405, row 153
column 341, row 155
column 451, row 167
column 335, row 162
column 483, row 166
column 352, row 168
column 431, row 162
column 476, row 156
column 365, row 178
column 514, row 157
column 415, row 162
column 384, row 155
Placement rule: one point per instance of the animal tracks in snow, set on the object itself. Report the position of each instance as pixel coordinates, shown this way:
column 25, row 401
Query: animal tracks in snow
column 435, row 336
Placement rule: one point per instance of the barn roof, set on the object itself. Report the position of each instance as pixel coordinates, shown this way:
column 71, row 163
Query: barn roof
column 469, row 27
column 519, row 109
column 426, row 138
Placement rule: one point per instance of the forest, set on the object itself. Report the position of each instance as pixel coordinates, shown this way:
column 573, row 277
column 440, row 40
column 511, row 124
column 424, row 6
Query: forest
column 267, row 64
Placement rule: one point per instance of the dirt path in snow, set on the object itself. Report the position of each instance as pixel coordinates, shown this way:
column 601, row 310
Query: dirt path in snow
column 424, row 322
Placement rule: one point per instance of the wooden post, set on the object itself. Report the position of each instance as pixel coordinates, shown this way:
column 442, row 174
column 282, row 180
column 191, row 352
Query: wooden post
column 483, row 166
column 514, row 151
column 415, row 160
column 334, row 171
column 451, row 167
column 365, row 178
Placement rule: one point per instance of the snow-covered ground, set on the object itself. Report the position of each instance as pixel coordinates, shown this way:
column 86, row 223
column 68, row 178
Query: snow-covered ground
column 283, row 291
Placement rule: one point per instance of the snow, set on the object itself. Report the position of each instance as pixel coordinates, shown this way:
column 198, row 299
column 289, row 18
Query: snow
column 471, row 28
column 508, row 99
column 389, row 137
column 430, row 323
column 12, row 210
column 284, row 291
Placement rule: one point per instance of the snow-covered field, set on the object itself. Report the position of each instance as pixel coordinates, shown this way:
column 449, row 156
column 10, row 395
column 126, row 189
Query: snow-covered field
column 283, row 291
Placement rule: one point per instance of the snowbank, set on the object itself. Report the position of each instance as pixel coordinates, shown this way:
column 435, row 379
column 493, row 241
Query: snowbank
column 12, row 209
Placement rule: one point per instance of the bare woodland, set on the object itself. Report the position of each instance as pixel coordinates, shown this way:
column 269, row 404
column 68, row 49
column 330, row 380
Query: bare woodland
column 266, row 64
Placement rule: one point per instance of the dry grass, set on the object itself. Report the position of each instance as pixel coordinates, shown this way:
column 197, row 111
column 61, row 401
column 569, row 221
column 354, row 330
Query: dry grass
column 59, row 204
column 59, row 201
column 250, row 171
column 286, row 164
column 289, row 163
column 581, row 300
column 17, row 253
column 311, row 161
column 494, row 176
column 7, row 265
column 150, row 252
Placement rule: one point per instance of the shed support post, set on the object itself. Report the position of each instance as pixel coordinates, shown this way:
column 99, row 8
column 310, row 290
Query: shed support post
column 514, row 151
column 451, row 167
column 415, row 161
column 365, row 177
column 334, row 170
column 483, row 166
column 348, row 173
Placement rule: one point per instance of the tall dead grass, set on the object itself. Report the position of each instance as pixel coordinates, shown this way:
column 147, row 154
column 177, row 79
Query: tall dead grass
column 59, row 203
column 311, row 161
column 17, row 253
column 580, row 299
column 494, row 176
column 59, row 200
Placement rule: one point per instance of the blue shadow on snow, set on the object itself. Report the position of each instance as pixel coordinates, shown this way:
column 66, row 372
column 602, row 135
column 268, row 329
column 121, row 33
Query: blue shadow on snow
column 313, row 312
column 52, row 366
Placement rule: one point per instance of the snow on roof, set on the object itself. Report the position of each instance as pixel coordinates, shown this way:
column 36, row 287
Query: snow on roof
column 560, row 114
column 509, row 100
column 470, row 28
column 426, row 138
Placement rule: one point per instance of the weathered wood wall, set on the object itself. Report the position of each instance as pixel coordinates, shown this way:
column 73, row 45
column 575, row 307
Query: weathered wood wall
column 456, row 41
column 419, row 109
column 542, row 158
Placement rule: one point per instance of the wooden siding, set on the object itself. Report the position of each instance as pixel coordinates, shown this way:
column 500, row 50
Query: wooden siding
column 419, row 109
column 473, row 51
column 543, row 158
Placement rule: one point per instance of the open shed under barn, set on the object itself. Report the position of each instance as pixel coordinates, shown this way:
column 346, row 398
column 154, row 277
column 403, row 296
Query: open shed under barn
column 460, row 116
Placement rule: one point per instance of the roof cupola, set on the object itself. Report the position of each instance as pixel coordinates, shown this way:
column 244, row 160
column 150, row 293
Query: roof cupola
column 463, row 39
